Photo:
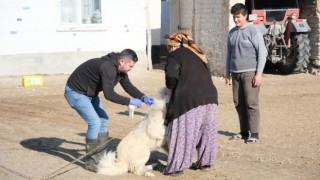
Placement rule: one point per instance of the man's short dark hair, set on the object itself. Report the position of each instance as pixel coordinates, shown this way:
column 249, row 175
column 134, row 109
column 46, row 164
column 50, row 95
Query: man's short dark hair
column 239, row 8
column 128, row 54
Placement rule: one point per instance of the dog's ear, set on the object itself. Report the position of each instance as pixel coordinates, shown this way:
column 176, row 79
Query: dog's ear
column 162, row 92
column 166, row 98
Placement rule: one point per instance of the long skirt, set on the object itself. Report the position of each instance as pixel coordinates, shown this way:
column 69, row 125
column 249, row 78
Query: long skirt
column 196, row 130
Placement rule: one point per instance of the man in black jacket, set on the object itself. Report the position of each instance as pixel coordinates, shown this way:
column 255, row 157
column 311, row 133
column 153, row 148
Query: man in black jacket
column 83, row 87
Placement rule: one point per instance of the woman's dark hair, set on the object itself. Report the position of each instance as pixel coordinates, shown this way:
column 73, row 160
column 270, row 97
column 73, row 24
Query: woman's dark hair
column 239, row 8
column 128, row 54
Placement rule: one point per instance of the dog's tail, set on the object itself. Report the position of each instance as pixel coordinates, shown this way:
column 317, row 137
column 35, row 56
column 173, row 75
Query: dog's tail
column 109, row 165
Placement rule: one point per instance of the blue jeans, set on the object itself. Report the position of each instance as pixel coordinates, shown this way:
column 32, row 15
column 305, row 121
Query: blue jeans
column 90, row 109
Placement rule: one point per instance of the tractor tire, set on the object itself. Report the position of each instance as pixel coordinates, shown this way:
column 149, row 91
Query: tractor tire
column 297, row 60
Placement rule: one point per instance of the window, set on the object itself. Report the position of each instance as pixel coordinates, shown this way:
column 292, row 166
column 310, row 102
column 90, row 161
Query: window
column 77, row 12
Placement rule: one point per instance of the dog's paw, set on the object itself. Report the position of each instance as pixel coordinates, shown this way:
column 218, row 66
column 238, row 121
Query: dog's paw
column 148, row 174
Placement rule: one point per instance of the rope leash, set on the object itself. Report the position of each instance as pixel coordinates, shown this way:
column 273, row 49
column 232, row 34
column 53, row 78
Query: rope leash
column 16, row 173
column 97, row 149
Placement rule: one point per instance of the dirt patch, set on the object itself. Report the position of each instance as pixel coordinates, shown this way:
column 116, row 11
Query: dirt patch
column 40, row 133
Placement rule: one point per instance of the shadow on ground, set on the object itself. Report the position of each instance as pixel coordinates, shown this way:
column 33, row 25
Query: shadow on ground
column 226, row 133
column 53, row 146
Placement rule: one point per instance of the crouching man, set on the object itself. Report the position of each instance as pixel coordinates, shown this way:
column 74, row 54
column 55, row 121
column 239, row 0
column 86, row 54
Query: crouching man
column 83, row 87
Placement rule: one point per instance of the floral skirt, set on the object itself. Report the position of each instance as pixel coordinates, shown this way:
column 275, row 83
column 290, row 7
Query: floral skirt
column 196, row 130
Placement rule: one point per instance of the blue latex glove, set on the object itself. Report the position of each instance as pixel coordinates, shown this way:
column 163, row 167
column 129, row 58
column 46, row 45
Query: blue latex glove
column 136, row 102
column 148, row 100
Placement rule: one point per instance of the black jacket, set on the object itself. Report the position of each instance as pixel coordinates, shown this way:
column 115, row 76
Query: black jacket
column 190, row 81
column 102, row 74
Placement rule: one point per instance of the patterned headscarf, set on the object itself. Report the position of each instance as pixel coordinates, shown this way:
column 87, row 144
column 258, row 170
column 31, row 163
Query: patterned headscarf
column 181, row 39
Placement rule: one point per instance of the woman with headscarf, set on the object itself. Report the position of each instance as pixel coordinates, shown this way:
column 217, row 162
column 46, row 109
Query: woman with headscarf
column 192, row 110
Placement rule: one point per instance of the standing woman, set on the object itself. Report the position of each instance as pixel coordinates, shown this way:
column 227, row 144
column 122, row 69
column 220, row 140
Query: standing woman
column 192, row 110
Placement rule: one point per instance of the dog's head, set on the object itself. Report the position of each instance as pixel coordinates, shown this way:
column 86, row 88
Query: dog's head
column 159, row 104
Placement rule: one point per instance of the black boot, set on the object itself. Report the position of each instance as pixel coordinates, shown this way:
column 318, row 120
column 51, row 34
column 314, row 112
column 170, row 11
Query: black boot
column 93, row 159
column 102, row 139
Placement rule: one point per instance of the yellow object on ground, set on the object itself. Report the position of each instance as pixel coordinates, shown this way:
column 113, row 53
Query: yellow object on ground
column 35, row 80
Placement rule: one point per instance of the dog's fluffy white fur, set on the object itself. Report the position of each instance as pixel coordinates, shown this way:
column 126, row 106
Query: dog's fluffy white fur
column 134, row 149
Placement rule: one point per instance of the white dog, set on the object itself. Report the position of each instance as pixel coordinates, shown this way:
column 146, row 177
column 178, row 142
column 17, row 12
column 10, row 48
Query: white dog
column 134, row 150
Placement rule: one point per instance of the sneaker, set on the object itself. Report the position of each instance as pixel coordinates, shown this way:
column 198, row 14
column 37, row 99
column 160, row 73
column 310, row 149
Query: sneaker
column 241, row 135
column 253, row 138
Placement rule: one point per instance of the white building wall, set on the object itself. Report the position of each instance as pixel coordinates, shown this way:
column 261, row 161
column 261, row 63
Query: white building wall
column 32, row 40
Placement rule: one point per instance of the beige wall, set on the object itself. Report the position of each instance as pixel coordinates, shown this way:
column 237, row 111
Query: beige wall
column 209, row 22
column 210, row 31
column 187, row 12
column 311, row 12
column 174, row 15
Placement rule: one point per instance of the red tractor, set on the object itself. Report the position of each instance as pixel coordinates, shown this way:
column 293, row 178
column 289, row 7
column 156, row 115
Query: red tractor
column 285, row 34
